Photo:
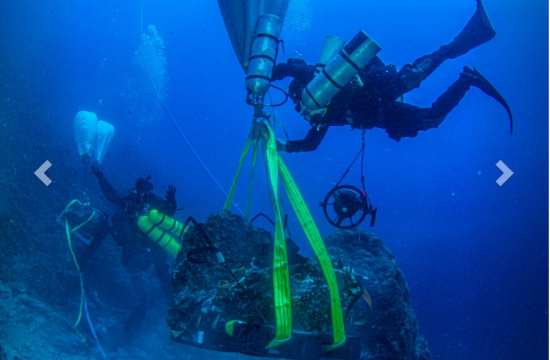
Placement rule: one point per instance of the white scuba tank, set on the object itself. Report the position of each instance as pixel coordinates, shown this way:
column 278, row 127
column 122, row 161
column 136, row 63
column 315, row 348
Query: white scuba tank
column 331, row 46
column 340, row 69
column 263, row 55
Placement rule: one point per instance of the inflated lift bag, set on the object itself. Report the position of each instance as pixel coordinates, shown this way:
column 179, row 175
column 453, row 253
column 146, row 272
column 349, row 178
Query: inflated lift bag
column 85, row 132
column 105, row 134
column 241, row 17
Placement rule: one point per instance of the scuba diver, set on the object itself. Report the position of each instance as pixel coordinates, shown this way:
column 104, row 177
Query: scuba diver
column 138, row 251
column 374, row 97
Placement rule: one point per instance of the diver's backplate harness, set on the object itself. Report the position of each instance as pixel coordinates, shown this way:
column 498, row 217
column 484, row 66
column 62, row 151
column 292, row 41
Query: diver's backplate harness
column 137, row 204
column 341, row 68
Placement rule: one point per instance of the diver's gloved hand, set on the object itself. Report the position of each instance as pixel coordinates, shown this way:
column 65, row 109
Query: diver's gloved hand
column 294, row 68
column 95, row 169
column 171, row 193
column 281, row 145
column 280, row 71
column 311, row 114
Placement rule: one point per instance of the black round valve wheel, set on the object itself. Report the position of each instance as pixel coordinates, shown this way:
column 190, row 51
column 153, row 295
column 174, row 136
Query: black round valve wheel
column 345, row 207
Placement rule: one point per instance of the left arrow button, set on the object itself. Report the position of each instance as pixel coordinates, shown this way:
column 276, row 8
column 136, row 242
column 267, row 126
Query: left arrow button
column 40, row 173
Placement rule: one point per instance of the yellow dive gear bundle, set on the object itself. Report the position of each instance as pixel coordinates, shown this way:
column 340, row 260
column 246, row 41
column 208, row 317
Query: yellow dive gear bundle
column 160, row 229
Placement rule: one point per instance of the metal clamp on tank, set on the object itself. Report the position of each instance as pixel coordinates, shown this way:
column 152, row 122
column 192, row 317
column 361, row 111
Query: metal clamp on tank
column 262, row 58
column 340, row 69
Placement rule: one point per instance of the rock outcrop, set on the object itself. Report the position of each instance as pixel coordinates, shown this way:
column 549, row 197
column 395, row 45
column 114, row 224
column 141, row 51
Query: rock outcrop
column 392, row 331
column 207, row 294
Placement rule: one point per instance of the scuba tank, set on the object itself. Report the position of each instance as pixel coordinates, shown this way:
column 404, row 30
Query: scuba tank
column 331, row 46
column 339, row 71
column 262, row 56
column 160, row 229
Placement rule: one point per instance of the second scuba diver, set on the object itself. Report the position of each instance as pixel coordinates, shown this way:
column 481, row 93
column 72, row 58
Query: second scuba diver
column 138, row 251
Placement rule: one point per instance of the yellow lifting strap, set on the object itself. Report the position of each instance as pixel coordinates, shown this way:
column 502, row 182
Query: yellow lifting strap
column 274, row 165
column 160, row 228
column 249, row 197
column 281, row 278
column 312, row 233
column 253, row 138
column 227, row 205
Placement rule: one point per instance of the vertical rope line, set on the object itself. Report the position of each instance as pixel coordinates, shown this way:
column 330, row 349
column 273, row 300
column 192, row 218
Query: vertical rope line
column 189, row 143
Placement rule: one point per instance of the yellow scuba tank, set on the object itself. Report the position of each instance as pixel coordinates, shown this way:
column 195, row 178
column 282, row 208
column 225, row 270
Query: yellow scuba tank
column 339, row 70
column 160, row 228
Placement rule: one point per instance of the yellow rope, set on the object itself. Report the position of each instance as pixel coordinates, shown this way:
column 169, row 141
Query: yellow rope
column 84, row 223
column 68, row 232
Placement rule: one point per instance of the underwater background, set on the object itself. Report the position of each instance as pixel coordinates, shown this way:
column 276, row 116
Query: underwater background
column 475, row 254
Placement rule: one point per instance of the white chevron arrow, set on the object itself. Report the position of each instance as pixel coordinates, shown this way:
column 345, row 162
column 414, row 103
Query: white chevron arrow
column 40, row 173
column 506, row 173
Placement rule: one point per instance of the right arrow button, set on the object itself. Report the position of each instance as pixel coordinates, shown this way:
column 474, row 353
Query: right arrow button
column 506, row 173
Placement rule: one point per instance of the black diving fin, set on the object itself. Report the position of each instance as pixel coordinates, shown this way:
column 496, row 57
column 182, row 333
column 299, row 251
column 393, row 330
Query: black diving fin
column 481, row 82
column 478, row 31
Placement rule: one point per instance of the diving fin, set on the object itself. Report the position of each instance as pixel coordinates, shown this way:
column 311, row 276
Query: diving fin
column 478, row 31
column 481, row 82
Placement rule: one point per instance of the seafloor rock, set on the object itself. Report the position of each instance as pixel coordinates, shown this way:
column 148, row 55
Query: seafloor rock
column 392, row 332
column 3, row 355
column 206, row 294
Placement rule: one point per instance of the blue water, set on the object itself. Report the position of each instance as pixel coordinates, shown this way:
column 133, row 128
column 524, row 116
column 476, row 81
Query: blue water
column 475, row 254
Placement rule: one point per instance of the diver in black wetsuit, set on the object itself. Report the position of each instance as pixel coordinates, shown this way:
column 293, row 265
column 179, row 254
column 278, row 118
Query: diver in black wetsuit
column 375, row 99
column 138, row 251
